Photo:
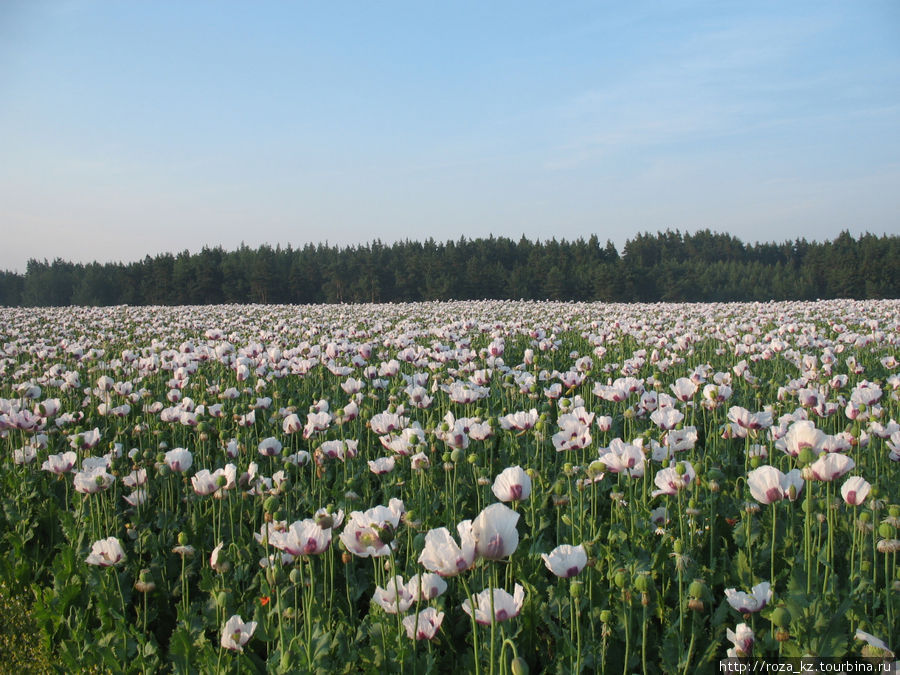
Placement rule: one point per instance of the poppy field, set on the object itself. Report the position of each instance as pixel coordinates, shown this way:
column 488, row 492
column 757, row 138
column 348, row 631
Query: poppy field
column 486, row 487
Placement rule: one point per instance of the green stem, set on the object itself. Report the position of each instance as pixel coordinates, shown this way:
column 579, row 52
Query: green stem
column 772, row 549
column 627, row 632
column 474, row 624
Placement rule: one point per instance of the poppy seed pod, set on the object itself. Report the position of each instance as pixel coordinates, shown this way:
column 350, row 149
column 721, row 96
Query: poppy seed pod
column 806, row 456
column 697, row 589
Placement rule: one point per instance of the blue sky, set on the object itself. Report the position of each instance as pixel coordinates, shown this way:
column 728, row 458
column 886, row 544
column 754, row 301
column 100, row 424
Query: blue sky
column 130, row 128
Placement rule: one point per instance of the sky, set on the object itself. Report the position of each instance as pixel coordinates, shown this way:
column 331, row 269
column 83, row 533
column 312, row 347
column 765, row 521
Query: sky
column 134, row 128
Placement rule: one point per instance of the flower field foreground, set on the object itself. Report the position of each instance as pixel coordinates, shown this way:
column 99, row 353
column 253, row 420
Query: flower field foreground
column 451, row 487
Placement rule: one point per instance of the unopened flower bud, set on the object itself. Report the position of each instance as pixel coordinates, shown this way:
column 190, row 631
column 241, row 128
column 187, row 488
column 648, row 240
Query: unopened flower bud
column 519, row 666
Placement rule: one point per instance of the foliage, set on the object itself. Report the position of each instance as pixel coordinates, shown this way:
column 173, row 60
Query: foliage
column 669, row 267
column 635, row 433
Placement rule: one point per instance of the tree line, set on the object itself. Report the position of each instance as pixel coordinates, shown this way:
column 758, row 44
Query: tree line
column 667, row 266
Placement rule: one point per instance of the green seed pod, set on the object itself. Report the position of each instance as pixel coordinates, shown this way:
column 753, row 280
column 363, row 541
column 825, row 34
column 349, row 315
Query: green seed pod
column 697, row 589
column 781, row 617
column 886, row 531
column 620, row 579
column 457, row 455
column 472, row 459
column 182, row 538
column 755, row 462
column 678, row 546
column 642, row 583
column 894, row 511
column 271, row 504
column 806, row 456
column 576, row 589
column 296, row 577
column 605, row 616
column 221, row 598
